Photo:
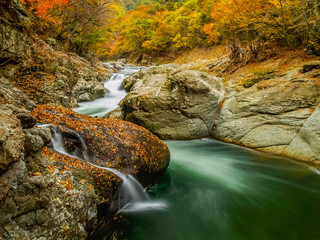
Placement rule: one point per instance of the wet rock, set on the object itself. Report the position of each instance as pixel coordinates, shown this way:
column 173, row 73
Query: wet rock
column 41, row 198
column 85, row 92
column 119, row 64
column 99, row 91
column 112, row 143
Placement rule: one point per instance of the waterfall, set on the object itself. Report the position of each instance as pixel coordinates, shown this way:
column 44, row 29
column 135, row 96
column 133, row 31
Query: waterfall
column 131, row 195
column 101, row 106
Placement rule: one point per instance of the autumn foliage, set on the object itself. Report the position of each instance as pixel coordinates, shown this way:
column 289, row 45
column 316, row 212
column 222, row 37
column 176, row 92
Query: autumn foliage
column 110, row 143
column 105, row 181
column 44, row 8
column 80, row 25
column 160, row 28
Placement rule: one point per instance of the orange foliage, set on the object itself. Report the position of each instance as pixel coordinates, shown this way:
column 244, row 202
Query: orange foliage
column 106, row 182
column 43, row 7
column 114, row 143
column 30, row 81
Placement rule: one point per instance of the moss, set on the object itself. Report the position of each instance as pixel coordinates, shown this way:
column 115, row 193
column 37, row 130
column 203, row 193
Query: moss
column 258, row 77
column 153, row 127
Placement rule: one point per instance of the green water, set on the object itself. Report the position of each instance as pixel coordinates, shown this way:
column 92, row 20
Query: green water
column 217, row 191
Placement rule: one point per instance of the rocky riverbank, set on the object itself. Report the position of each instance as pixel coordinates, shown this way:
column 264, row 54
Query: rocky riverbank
column 46, row 195
column 43, row 194
column 273, row 109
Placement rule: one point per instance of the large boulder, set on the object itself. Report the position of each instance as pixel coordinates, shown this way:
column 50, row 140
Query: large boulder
column 171, row 102
column 42, row 197
column 278, row 116
column 109, row 142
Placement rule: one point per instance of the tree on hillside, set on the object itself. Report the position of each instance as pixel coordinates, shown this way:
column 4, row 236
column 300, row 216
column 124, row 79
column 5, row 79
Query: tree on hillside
column 78, row 23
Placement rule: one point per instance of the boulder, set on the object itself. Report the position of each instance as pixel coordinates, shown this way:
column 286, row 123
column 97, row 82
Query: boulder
column 306, row 143
column 36, row 138
column 41, row 196
column 11, row 139
column 276, row 116
column 109, row 142
column 173, row 103
column 86, row 92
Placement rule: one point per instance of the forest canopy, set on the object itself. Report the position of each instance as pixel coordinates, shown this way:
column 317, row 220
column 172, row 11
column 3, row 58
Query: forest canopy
column 117, row 27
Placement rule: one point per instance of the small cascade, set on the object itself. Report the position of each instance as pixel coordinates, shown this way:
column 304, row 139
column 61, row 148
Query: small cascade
column 101, row 106
column 114, row 85
column 84, row 149
column 58, row 142
column 131, row 195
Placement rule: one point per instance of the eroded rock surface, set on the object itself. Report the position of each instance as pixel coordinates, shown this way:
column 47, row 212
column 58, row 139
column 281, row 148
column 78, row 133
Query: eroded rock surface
column 279, row 115
column 40, row 198
column 276, row 113
column 111, row 143
column 171, row 102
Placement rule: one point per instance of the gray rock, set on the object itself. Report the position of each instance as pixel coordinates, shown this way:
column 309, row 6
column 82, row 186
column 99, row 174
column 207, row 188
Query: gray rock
column 306, row 143
column 85, row 97
column 273, row 117
column 11, row 139
column 10, row 95
column 99, row 91
column 88, row 91
column 36, row 138
column 173, row 104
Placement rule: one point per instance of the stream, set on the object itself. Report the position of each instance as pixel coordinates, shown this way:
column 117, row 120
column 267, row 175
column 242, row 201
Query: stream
column 213, row 190
column 101, row 106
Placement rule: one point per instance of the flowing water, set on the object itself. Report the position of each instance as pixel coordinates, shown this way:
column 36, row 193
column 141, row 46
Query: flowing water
column 219, row 191
column 101, row 106
column 131, row 196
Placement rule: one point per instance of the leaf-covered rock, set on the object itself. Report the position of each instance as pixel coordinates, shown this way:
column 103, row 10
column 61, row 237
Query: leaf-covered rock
column 111, row 143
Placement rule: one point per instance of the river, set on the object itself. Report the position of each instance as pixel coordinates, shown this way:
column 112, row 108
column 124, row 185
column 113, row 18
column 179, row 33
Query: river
column 213, row 190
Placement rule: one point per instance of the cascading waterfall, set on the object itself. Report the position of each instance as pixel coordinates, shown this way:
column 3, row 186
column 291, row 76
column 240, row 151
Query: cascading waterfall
column 131, row 195
column 101, row 106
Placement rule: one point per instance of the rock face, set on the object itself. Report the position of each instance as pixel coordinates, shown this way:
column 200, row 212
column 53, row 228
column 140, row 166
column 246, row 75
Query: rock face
column 277, row 113
column 44, row 195
column 55, row 77
column 279, row 116
column 40, row 199
column 42, row 73
column 110, row 143
column 11, row 140
column 10, row 31
column 173, row 103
